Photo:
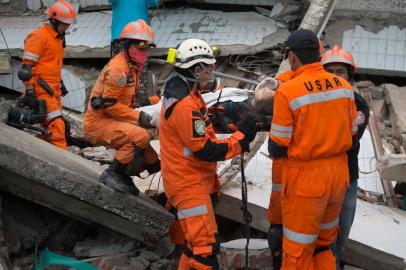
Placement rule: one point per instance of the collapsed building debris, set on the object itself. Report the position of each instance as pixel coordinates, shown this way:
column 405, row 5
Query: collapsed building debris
column 68, row 184
column 250, row 55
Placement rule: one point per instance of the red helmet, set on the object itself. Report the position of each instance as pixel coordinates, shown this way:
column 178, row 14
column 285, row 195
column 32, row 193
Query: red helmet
column 62, row 11
column 138, row 30
column 338, row 55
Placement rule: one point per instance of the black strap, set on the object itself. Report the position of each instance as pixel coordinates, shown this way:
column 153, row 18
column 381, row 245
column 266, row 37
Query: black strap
column 210, row 260
column 98, row 103
column 246, row 214
column 318, row 250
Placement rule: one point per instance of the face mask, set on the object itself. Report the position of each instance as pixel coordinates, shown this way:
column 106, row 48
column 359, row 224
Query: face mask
column 138, row 57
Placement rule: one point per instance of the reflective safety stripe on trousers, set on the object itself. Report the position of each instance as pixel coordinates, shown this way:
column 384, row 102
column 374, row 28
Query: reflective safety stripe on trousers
column 304, row 238
column 320, row 97
column 194, row 211
column 329, row 225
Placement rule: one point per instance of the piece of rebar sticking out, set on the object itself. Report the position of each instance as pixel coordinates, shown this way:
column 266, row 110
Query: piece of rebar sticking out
column 264, row 96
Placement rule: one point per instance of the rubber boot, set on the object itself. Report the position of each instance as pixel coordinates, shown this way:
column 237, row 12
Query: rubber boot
column 136, row 166
column 115, row 178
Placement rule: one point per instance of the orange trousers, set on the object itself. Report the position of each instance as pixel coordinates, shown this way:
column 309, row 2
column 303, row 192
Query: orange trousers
column 54, row 106
column 122, row 136
column 275, row 209
column 196, row 224
column 312, row 196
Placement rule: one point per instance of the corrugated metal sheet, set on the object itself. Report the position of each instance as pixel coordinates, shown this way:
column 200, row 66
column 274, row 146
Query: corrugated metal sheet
column 384, row 50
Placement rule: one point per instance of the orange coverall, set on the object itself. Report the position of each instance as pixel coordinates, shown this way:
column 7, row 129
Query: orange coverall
column 43, row 50
column 117, row 124
column 274, row 209
column 315, row 118
column 189, row 151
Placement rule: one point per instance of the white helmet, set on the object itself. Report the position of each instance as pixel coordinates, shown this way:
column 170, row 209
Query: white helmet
column 193, row 51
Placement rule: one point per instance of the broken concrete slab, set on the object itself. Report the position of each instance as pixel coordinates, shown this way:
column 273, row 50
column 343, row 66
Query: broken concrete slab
column 238, row 2
column 5, row 64
column 100, row 247
column 40, row 172
column 233, row 254
column 393, row 167
column 396, row 100
column 90, row 37
column 83, row 4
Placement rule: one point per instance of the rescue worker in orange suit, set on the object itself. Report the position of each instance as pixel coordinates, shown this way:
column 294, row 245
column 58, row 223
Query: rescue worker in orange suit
column 190, row 150
column 341, row 63
column 110, row 118
column 275, row 209
column 313, row 123
column 42, row 65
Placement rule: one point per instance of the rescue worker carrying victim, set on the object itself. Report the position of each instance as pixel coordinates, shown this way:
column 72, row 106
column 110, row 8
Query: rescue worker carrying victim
column 313, row 123
column 110, row 118
column 341, row 63
column 190, row 150
column 42, row 65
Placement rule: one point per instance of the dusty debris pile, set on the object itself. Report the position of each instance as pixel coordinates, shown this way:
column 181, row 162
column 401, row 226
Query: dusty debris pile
column 26, row 227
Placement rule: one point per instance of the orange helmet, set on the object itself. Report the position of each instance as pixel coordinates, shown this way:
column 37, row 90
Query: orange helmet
column 338, row 55
column 62, row 11
column 138, row 30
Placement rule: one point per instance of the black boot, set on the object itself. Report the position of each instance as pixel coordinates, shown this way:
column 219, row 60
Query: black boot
column 115, row 178
column 136, row 166
column 154, row 167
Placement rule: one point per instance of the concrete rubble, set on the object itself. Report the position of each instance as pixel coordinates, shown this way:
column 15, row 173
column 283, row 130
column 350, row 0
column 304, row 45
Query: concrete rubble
column 62, row 181
column 70, row 212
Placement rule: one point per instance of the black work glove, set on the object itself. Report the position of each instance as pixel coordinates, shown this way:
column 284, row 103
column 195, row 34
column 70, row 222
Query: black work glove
column 248, row 126
column 62, row 86
column 145, row 120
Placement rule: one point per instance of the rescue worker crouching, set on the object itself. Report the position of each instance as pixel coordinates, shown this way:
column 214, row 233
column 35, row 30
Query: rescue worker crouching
column 42, row 65
column 110, row 118
column 313, row 123
column 190, row 150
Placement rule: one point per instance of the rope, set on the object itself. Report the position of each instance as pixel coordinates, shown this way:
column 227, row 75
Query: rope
column 247, row 217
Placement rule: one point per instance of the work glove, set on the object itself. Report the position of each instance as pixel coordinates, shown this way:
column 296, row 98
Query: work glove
column 248, row 126
column 145, row 120
column 62, row 86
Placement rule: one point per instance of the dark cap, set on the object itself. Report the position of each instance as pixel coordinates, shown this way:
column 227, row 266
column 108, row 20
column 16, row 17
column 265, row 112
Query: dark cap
column 302, row 39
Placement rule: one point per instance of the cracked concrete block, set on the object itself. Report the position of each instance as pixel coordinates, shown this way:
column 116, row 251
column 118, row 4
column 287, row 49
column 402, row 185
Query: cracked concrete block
column 233, row 254
column 99, row 247
column 160, row 265
column 44, row 174
column 108, row 262
column 377, row 92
